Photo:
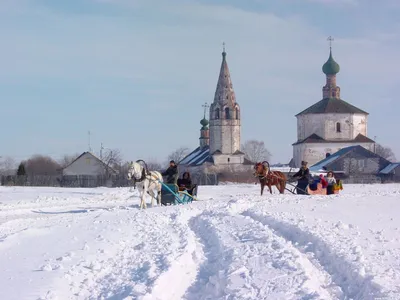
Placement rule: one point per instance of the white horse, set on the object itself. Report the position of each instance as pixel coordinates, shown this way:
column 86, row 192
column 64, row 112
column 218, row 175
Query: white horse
column 146, row 182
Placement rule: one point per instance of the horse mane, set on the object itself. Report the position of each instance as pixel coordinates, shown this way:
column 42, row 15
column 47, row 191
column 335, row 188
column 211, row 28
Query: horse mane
column 145, row 165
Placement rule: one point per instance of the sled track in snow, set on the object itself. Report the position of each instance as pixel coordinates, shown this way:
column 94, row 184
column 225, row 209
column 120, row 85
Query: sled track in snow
column 143, row 270
column 245, row 259
column 352, row 283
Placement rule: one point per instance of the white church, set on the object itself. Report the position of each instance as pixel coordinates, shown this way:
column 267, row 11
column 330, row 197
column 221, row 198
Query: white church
column 220, row 136
column 330, row 124
column 322, row 129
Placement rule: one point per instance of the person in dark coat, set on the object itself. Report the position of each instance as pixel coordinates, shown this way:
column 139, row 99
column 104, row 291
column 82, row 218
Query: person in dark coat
column 303, row 178
column 171, row 173
column 185, row 183
column 331, row 183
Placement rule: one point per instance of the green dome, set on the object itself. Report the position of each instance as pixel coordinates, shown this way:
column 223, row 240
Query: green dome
column 331, row 67
column 204, row 122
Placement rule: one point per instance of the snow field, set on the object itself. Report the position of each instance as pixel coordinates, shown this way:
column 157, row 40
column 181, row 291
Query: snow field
column 235, row 244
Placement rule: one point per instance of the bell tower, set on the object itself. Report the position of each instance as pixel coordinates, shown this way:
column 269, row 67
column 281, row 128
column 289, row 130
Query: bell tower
column 224, row 115
column 330, row 69
column 204, row 131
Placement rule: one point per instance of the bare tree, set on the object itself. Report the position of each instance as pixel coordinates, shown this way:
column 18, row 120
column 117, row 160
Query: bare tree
column 67, row 159
column 178, row 154
column 255, row 151
column 122, row 168
column 112, row 158
column 385, row 152
column 7, row 166
column 154, row 165
column 41, row 165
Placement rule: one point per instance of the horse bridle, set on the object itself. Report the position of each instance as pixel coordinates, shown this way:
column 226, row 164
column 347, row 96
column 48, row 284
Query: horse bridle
column 262, row 176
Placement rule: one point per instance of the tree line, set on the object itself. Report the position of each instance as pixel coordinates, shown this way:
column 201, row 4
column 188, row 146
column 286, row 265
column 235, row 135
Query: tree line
column 254, row 150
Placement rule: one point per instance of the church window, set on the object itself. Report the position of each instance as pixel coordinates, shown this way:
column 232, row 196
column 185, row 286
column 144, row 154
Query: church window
column 227, row 97
column 338, row 127
column 227, row 114
column 217, row 113
column 237, row 113
column 333, row 94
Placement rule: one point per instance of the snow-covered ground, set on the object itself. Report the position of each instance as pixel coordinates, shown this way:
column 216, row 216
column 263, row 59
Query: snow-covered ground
column 59, row 243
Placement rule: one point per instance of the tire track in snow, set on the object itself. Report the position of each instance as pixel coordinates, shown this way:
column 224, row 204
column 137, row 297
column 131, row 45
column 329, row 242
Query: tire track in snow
column 345, row 275
column 244, row 259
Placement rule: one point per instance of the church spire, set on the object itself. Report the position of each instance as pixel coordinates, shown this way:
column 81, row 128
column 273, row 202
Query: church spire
column 224, row 92
column 330, row 69
column 224, row 114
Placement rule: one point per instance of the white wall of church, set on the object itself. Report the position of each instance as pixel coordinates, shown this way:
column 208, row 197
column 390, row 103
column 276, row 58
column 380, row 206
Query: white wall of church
column 223, row 159
column 360, row 125
column 325, row 125
column 313, row 153
column 224, row 136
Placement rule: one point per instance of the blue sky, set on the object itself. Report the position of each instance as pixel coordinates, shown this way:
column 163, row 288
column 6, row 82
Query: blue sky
column 136, row 73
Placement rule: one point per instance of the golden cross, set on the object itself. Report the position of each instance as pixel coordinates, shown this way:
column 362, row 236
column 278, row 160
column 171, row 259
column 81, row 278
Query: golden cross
column 330, row 39
column 205, row 105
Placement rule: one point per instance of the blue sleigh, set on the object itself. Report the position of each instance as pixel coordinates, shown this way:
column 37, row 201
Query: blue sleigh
column 171, row 195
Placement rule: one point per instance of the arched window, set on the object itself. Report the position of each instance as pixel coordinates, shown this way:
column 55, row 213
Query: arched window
column 227, row 113
column 217, row 113
column 237, row 113
column 338, row 127
column 333, row 94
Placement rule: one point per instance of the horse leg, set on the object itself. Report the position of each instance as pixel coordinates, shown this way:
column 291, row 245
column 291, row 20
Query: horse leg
column 141, row 200
column 270, row 188
column 159, row 195
column 152, row 195
column 143, row 203
column 262, row 187
column 283, row 186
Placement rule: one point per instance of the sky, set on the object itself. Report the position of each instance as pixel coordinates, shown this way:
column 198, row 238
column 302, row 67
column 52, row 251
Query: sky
column 135, row 73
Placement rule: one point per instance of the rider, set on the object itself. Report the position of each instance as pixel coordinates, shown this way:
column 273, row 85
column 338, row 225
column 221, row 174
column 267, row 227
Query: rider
column 303, row 177
column 171, row 173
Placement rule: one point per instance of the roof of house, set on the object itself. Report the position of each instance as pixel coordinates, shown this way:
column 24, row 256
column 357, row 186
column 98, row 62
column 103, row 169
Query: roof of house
column 389, row 168
column 95, row 157
column 332, row 105
column 324, row 164
column 321, row 165
column 200, row 156
column 315, row 138
column 197, row 157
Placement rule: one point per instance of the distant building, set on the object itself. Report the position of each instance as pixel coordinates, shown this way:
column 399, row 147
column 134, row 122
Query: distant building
column 355, row 164
column 87, row 170
column 219, row 147
column 391, row 173
column 88, row 164
column 330, row 124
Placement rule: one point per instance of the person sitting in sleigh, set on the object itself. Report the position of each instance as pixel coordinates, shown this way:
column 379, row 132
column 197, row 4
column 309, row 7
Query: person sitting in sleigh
column 185, row 184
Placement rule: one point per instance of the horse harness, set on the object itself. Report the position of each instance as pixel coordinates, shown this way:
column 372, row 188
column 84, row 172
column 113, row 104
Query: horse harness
column 143, row 177
column 268, row 175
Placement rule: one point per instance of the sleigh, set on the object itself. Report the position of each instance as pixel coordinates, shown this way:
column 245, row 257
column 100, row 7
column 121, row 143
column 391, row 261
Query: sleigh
column 317, row 189
column 171, row 194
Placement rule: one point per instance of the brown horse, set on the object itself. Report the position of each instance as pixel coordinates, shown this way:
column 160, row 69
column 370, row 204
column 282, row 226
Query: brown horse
column 269, row 178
